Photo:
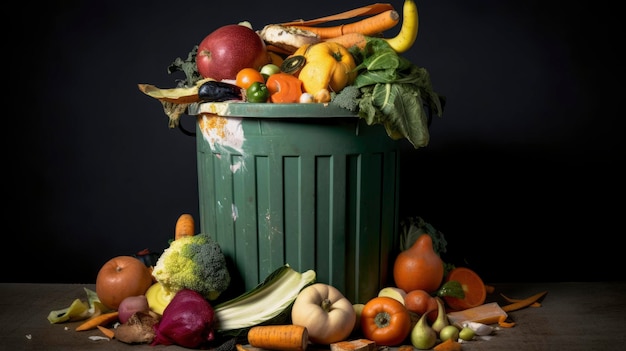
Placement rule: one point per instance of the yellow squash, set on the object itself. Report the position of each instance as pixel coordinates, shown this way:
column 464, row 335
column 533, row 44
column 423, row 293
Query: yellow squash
column 329, row 67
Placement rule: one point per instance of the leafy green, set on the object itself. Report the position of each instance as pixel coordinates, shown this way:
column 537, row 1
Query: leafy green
column 188, row 67
column 395, row 93
column 451, row 288
column 411, row 229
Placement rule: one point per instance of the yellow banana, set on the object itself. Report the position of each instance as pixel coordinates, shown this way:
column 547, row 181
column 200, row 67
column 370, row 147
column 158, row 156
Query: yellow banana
column 408, row 32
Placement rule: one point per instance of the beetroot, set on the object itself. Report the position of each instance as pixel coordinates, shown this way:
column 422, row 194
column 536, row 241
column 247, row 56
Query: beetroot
column 187, row 321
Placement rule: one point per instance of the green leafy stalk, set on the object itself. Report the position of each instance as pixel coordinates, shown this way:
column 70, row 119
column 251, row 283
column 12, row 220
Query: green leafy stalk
column 395, row 93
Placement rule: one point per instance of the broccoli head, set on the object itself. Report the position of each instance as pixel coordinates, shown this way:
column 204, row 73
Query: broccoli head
column 347, row 98
column 193, row 262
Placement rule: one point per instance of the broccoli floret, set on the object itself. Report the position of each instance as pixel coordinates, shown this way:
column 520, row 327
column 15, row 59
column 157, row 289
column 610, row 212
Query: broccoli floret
column 193, row 262
column 347, row 98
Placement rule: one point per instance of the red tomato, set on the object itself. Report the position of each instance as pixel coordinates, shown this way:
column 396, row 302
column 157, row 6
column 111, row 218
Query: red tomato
column 385, row 321
column 247, row 76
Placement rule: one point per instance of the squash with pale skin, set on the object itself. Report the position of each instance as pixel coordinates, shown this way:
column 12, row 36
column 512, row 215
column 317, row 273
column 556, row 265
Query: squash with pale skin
column 326, row 313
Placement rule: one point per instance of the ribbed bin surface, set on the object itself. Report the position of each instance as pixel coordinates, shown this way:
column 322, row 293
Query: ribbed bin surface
column 316, row 193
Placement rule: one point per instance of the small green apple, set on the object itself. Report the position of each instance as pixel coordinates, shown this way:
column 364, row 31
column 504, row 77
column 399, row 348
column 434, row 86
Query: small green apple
column 449, row 332
column 467, row 334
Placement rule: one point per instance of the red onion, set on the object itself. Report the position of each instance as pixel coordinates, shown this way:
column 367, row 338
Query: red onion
column 187, row 321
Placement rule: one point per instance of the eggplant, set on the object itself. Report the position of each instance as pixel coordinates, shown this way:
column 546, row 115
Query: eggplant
column 214, row 91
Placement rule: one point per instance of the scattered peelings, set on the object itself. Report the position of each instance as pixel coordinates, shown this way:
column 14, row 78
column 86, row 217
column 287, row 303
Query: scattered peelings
column 94, row 303
column 78, row 310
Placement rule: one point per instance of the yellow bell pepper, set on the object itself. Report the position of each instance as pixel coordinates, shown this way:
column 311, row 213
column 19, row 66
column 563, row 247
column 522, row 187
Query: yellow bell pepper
column 329, row 67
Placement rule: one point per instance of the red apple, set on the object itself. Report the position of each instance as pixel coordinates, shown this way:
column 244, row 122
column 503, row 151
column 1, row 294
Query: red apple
column 228, row 49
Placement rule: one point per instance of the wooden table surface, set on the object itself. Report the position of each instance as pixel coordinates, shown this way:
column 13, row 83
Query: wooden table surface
column 573, row 316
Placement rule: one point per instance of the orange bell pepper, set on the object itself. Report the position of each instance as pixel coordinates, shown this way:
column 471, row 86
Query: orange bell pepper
column 284, row 87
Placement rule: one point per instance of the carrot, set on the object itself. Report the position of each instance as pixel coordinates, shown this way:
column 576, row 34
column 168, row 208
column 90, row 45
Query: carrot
column 107, row 332
column 350, row 39
column 368, row 26
column 284, row 88
column 288, row 337
column 448, row 345
column 524, row 302
column 101, row 319
column 372, row 9
column 185, row 226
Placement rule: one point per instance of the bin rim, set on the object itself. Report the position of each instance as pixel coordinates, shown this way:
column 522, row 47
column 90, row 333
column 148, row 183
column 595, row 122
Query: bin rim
column 270, row 110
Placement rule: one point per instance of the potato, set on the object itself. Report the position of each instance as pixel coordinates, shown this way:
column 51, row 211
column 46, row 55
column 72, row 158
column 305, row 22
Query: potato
column 131, row 305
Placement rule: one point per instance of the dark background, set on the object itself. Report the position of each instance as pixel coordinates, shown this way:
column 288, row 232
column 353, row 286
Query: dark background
column 523, row 173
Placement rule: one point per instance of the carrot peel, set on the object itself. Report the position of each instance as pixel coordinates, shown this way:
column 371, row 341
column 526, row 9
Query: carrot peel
column 372, row 9
column 511, row 300
column 504, row 324
column 448, row 345
column 107, row 332
column 524, row 302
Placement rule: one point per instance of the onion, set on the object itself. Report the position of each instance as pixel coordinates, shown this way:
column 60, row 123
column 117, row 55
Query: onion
column 187, row 321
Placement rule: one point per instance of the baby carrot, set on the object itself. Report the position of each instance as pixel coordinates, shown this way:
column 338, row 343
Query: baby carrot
column 101, row 319
column 372, row 25
column 288, row 337
column 185, row 226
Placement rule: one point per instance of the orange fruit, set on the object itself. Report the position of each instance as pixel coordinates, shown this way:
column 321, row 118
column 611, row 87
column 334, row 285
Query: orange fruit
column 473, row 287
column 121, row 277
column 420, row 301
column 419, row 267
column 246, row 76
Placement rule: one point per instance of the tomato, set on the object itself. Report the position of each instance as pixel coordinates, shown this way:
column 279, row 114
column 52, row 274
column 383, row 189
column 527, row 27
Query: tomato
column 420, row 301
column 247, row 76
column 121, row 277
column 385, row 321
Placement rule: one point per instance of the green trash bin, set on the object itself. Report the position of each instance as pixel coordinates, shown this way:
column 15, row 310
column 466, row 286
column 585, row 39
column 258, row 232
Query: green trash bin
column 307, row 185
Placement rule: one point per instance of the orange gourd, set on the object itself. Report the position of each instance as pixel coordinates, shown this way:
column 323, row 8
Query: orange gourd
column 419, row 267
